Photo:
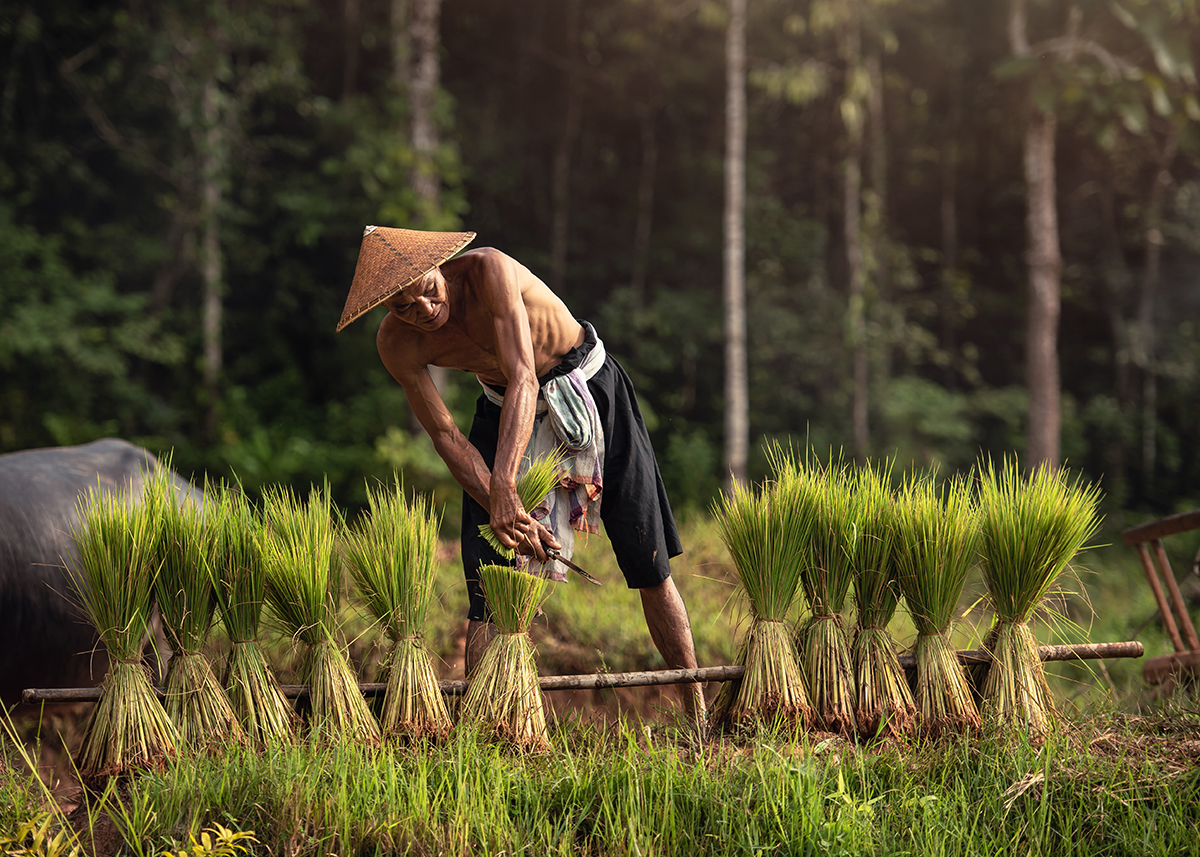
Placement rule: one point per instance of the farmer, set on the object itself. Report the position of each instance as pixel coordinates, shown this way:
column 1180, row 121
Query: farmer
column 485, row 313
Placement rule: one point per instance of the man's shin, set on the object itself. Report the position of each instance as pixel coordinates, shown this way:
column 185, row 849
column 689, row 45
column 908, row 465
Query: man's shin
column 479, row 634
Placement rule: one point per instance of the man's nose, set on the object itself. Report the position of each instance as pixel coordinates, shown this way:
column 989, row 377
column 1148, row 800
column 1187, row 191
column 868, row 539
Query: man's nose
column 424, row 306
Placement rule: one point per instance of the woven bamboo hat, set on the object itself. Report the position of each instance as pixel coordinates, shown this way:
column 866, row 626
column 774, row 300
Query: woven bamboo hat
column 391, row 259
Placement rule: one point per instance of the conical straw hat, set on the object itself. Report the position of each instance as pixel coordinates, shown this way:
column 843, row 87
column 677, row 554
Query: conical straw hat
column 390, row 259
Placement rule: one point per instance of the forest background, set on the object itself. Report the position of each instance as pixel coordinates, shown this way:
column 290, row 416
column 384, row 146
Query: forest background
column 183, row 187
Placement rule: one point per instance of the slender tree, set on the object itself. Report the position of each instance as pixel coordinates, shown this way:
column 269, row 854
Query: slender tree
column 737, row 406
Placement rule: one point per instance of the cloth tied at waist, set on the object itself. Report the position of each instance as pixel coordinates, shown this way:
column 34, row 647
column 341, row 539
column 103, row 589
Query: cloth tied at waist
column 566, row 423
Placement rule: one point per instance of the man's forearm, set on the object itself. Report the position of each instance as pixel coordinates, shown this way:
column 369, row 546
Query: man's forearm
column 516, row 425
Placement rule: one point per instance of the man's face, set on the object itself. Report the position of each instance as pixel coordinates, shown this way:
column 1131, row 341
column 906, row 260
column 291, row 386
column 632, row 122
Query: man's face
column 423, row 304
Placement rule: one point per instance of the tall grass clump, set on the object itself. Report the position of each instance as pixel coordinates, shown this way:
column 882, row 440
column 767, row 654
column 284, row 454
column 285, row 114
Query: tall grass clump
column 114, row 583
column 183, row 549
column 503, row 694
column 1031, row 529
column 303, row 590
column 766, row 533
column 391, row 555
column 936, row 539
column 824, row 494
column 239, row 579
column 884, row 705
column 533, row 486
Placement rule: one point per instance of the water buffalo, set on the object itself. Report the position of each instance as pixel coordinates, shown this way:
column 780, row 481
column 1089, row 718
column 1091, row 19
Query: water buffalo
column 44, row 639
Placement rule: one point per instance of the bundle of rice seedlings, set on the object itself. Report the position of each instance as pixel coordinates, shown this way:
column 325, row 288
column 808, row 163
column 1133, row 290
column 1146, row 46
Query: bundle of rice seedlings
column 303, row 590
column 883, row 703
column 825, row 494
column 114, row 582
column 391, row 556
column 195, row 700
column 1031, row 529
column 239, row 579
column 533, row 486
column 936, row 540
column 766, row 533
column 503, row 693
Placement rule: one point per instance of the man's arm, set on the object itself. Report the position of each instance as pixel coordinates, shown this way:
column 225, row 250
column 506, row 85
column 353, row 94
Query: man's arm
column 499, row 288
column 463, row 460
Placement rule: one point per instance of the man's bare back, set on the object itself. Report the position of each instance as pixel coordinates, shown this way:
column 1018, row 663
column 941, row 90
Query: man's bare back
column 479, row 289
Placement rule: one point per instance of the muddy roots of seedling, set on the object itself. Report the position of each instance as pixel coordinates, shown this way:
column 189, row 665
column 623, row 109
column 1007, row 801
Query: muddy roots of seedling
column 197, row 705
column 128, row 728
column 942, row 695
column 771, row 692
column 256, row 697
column 339, row 710
column 826, row 663
column 1015, row 693
column 413, row 705
column 504, row 696
column 884, row 705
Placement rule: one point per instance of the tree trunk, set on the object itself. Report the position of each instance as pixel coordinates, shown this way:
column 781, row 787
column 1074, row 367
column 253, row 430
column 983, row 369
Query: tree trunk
column 1043, row 432
column 424, row 86
column 401, row 46
column 645, row 206
column 878, row 199
column 213, row 167
column 1147, row 301
column 1045, row 264
column 949, row 217
column 852, row 235
column 561, row 179
column 351, row 44
column 737, row 422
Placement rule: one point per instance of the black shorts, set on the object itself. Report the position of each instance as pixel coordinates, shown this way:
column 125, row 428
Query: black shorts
column 633, row 505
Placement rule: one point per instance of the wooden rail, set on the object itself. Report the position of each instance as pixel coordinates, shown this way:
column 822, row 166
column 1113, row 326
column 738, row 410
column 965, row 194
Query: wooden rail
column 968, row 657
column 1147, row 539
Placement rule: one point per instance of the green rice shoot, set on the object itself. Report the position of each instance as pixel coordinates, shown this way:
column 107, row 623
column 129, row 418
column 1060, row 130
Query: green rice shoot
column 936, row 538
column 114, row 583
column 503, row 694
column 391, row 555
column 1032, row 526
column 195, row 700
column 239, row 580
column 884, row 705
column 535, row 483
column 303, row 591
column 766, row 533
column 824, row 493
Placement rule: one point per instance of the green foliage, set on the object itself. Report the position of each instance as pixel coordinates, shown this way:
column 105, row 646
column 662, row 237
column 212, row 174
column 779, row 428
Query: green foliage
column 216, row 841
column 41, row 836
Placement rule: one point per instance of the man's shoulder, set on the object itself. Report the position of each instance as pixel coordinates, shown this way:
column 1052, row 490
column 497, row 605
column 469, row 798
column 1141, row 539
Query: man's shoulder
column 399, row 345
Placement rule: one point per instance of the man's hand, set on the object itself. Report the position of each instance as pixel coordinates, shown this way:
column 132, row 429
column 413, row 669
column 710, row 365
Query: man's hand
column 514, row 527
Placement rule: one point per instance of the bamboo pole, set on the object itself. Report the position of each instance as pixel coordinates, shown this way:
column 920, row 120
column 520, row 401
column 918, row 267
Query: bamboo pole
column 968, row 657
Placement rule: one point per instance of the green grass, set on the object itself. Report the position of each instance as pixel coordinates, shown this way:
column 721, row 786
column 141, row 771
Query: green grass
column 1112, row 786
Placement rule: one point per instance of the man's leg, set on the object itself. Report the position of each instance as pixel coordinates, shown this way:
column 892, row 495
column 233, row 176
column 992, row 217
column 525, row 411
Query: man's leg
column 479, row 634
column 667, row 620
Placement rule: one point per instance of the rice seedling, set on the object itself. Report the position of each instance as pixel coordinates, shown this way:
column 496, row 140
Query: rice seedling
column 766, row 533
column 391, row 555
column 195, row 700
column 936, row 541
column 883, row 703
column 503, row 694
column 532, row 487
column 1031, row 529
column 825, row 495
column 239, row 579
column 303, row 584
column 114, row 582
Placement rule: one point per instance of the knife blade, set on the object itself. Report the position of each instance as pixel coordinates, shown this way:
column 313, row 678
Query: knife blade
column 553, row 554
